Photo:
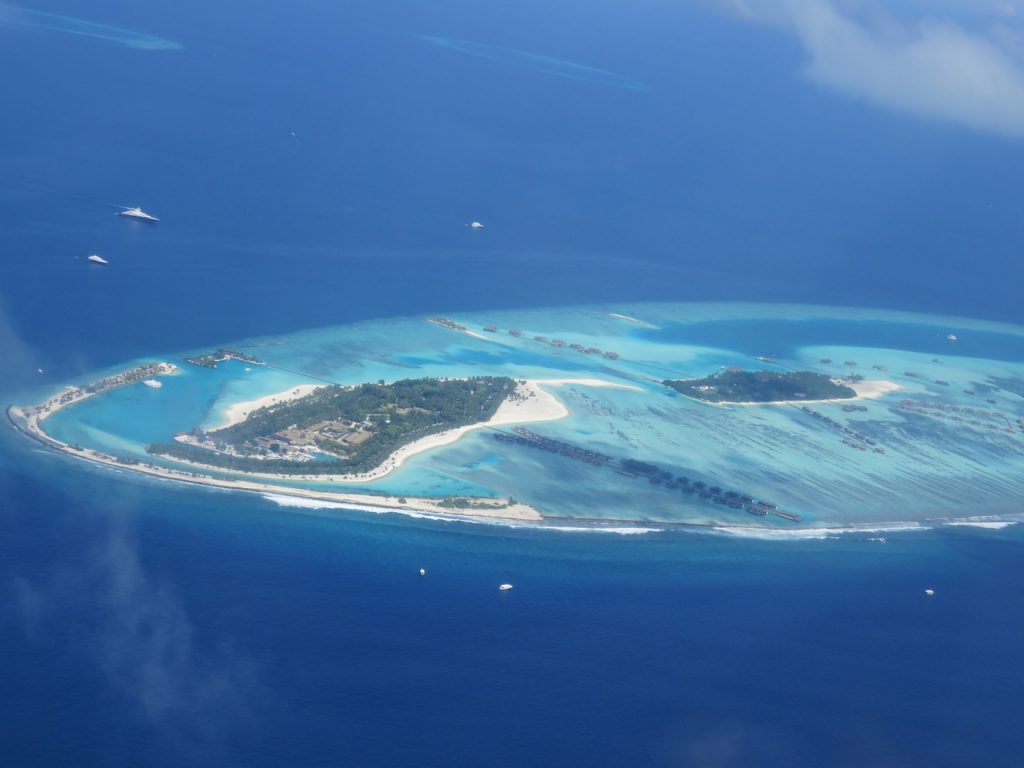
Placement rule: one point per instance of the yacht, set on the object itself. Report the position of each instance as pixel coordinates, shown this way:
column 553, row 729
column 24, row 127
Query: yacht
column 97, row 259
column 504, row 587
column 137, row 213
column 475, row 225
column 152, row 383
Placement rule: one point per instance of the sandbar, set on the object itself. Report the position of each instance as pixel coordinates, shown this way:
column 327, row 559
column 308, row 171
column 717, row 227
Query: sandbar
column 634, row 320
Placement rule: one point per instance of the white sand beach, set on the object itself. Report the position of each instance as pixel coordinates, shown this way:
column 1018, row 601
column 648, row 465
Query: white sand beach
column 239, row 412
column 530, row 403
column 871, row 390
column 866, row 390
column 29, row 420
column 634, row 320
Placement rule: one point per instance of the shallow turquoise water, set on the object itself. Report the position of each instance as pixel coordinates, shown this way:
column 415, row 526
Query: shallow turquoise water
column 932, row 467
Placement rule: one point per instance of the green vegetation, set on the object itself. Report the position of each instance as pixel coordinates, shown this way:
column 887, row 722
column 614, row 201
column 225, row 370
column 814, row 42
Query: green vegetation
column 762, row 387
column 344, row 429
column 467, row 502
column 211, row 359
column 147, row 371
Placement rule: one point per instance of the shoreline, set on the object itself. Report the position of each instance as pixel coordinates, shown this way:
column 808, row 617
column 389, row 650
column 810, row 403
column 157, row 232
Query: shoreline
column 866, row 390
column 239, row 412
column 529, row 404
column 491, row 508
column 521, row 514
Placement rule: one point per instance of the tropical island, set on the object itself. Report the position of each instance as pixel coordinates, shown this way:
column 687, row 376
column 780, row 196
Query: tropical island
column 416, row 417
column 342, row 429
column 735, row 386
column 210, row 359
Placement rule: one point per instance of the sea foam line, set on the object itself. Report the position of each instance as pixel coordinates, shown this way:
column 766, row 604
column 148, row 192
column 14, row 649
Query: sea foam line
column 994, row 525
column 296, row 502
column 816, row 533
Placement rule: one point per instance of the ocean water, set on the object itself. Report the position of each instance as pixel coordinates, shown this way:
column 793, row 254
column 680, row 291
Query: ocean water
column 316, row 165
column 158, row 626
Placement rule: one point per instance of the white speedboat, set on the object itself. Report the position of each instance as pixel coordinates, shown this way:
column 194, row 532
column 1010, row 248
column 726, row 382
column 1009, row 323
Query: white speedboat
column 152, row 383
column 137, row 213
column 504, row 587
column 475, row 225
column 97, row 259
column 951, row 337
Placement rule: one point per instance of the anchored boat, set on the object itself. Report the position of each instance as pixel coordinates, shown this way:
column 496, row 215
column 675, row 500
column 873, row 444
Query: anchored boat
column 137, row 213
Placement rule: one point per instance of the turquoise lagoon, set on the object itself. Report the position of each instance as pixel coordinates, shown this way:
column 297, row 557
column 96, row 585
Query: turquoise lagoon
column 951, row 450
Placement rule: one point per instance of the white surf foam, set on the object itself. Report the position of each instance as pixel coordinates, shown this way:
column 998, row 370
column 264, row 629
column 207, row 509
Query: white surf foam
column 796, row 534
column 872, row 532
column 298, row 502
column 991, row 524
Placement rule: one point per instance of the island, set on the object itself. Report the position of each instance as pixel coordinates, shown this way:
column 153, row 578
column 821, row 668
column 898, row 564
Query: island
column 342, row 429
column 419, row 418
column 211, row 359
column 392, row 426
column 737, row 386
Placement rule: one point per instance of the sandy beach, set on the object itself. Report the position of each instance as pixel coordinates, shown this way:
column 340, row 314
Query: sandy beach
column 871, row 390
column 239, row 412
column 866, row 390
column 529, row 403
column 634, row 320
column 28, row 421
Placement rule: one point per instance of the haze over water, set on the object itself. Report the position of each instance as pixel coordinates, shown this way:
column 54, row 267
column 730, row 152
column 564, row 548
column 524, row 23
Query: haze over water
column 316, row 166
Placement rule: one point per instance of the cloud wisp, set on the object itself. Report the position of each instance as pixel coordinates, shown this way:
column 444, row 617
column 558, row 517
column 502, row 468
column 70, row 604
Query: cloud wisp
column 16, row 16
column 135, row 628
column 930, row 68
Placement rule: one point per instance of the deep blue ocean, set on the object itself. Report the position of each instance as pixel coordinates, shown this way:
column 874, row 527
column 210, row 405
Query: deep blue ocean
column 316, row 163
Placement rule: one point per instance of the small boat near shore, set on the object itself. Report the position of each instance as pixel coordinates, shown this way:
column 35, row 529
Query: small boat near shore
column 97, row 259
column 153, row 383
column 137, row 213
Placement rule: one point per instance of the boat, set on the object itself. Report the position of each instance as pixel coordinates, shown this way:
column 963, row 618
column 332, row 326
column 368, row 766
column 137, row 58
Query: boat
column 475, row 225
column 504, row 587
column 137, row 213
column 951, row 337
column 152, row 383
column 423, row 571
column 929, row 592
column 97, row 259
